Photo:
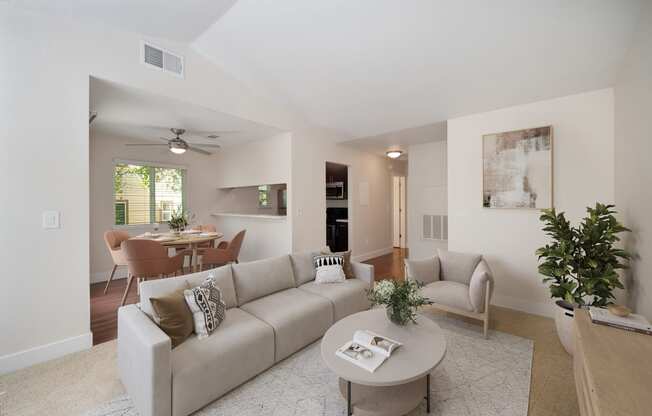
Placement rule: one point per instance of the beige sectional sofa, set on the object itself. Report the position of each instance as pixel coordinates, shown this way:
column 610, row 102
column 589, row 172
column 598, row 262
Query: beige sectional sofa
column 274, row 308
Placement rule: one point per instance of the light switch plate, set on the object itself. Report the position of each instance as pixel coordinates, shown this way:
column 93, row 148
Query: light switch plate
column 51, row 220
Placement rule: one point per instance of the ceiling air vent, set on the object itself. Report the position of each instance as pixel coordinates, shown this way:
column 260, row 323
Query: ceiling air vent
column 162, row 60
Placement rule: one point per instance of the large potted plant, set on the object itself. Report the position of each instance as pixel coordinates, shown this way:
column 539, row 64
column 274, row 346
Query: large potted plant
column 401, row 299
column 581, row 263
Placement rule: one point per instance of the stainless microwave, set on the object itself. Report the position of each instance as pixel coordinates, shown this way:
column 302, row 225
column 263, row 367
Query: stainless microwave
column 335, row 190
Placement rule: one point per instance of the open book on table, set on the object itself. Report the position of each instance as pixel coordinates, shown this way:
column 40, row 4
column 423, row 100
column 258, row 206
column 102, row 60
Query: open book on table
column 367, row 350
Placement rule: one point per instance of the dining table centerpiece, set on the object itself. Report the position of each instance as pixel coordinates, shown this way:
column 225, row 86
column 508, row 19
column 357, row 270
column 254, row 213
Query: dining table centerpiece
column 400, row 298
column 178, row 221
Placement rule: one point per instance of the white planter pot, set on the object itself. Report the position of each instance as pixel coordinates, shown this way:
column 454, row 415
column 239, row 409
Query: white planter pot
column 565, row 327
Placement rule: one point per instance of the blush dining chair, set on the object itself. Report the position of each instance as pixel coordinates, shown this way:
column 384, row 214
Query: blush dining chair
column 149, row 259
column 113, row 239
column 226, row 252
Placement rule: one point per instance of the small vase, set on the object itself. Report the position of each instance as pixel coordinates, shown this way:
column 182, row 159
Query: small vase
column 397, row 315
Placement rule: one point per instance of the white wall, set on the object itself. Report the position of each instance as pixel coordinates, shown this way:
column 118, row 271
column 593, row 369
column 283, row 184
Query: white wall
column 633, row 94
column 104, row 149
column 583, row 130
column 427, row 194
column 45, row 111
column 370, row 232
column 253, row 164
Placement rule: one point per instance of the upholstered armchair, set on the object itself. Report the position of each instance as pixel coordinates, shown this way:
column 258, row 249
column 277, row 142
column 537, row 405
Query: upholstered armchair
column 459, row 283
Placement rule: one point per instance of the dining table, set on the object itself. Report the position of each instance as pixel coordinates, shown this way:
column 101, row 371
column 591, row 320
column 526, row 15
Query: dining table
column 185, row 239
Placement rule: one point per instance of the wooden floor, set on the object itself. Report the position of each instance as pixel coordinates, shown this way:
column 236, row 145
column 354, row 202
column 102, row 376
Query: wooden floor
column 389, row 266
column 104, row 308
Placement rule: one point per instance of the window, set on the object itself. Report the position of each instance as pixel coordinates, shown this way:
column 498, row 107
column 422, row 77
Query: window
column 146, row 194
column 263, row 196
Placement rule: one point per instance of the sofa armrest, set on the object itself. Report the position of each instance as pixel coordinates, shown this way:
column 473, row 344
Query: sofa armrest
column 364, row 272
column 144, row 361
column 478, row 293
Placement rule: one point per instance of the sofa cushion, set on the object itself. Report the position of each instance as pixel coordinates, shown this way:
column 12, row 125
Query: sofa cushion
column 347, row 297
column 203, row 370
column 303, row 266
column 457, row 267
column 260, row 278
column 160, row 287
column 298, row 318
column 423, row 271
column 449, row 293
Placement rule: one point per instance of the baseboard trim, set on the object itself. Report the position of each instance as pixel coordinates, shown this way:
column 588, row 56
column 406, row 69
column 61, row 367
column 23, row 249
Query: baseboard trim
column 26, row 358
column 372, row 254
column 535, row 308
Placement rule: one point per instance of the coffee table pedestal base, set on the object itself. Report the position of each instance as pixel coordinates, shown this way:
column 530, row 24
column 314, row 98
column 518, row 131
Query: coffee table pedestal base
column 386, row 400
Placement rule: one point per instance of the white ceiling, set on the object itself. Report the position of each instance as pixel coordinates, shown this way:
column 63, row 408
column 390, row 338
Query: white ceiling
column 135, row 114
column 401, row 139
column 365, row 67
column 179, row 20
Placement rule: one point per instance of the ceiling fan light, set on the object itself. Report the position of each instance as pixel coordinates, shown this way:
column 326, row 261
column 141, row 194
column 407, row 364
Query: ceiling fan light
column 177, row 150
column 394, row 154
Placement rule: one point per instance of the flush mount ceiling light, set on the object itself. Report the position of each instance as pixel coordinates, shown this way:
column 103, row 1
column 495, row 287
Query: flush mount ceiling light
column 394, row 154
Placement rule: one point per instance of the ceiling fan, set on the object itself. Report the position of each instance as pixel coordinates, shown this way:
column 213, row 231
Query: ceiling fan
column 179, row 146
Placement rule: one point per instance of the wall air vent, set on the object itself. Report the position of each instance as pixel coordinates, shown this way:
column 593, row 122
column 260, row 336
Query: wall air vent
column 162, row 60
column 435, row 227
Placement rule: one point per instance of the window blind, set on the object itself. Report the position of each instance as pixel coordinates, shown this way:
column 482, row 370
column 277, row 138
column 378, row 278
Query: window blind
column 146, row 194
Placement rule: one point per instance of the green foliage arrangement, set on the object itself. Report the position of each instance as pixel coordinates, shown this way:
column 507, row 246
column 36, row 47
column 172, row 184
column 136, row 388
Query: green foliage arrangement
column 401, row 299
column 581, row 262
column 178, row 220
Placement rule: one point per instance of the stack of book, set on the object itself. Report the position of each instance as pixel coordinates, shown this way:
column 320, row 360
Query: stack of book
column 632, row 322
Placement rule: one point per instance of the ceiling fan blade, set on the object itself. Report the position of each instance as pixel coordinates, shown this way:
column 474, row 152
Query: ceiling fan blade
column 163, row 138
column 145, row 144
column 198, row 150
column 217, row 146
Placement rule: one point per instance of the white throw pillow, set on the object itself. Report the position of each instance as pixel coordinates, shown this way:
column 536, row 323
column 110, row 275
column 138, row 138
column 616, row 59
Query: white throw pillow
column 207, row 307
column 329, row 268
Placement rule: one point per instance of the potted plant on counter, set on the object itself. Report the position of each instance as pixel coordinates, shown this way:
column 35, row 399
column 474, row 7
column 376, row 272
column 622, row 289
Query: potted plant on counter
column 401, row 299
column 581, row 263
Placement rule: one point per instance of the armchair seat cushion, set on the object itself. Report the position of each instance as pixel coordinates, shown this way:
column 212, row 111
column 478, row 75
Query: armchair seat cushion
column 297, row 317
column 203, row 369
column 449, row 293
column 347, row 297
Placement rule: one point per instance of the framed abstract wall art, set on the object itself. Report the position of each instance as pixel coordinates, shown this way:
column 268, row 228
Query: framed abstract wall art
column 517, row 169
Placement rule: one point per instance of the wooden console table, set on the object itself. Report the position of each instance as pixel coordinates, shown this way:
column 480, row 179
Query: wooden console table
column 613, row 370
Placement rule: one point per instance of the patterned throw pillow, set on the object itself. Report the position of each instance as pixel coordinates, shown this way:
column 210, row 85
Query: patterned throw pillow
column 207, row 306
column 329, row 268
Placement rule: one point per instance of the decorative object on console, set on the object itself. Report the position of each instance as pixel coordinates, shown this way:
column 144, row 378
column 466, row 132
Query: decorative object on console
column 517, row 169
column 207, row 306
column 581, row 263
column 329, row 268
column 401, row 299
column 619, row 310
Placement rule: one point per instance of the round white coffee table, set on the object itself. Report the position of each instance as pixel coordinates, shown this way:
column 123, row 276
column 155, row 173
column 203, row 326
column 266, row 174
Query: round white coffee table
column 402, row 381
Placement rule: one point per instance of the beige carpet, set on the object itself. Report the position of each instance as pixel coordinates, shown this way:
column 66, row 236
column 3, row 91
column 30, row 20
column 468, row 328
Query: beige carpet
column 83, row 381
column 64, row 387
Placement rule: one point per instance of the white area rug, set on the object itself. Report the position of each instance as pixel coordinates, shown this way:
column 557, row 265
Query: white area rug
column 477, row 377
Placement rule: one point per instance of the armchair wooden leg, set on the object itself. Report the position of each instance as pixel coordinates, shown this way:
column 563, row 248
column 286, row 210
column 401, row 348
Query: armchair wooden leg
column 486, row 308
column 115, row 266
column 124, row 296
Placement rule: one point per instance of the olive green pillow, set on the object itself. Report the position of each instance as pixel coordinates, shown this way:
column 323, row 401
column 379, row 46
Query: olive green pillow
column 175, row 318
column 346, row 266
